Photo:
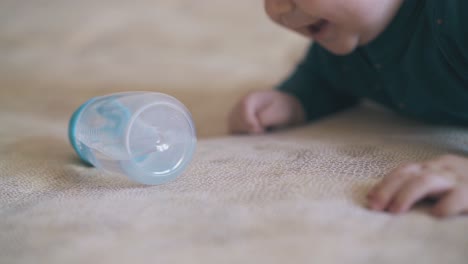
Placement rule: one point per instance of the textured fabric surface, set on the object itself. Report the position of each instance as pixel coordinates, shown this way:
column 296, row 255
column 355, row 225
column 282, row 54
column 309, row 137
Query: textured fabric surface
column 294, row 196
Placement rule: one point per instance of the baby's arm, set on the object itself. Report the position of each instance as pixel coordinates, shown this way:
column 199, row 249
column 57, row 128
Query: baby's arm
column 444, row 178
column 304, row 96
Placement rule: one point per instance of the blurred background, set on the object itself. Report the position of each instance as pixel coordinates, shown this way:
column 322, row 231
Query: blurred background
column 55, row 54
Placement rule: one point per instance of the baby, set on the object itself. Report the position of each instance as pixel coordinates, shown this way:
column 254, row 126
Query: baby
column 407, row 55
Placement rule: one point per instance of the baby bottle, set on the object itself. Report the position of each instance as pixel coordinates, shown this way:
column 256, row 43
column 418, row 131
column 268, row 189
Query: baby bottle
column 147, row 136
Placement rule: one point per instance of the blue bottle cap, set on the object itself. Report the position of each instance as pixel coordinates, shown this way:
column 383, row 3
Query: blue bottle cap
column 72, row 132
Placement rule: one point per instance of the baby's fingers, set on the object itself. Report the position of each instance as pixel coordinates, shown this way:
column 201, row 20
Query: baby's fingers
column 382, row 194
column 243, row 118
column 454, row 203
column 417, row 189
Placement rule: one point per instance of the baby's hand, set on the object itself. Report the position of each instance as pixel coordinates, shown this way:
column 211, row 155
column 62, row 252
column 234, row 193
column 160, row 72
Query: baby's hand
column 259, row 111
column 444, row 178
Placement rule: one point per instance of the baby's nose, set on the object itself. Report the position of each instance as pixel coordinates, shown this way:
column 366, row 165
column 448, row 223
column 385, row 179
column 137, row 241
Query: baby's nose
column 287, row 13
column 283, row 6
column 276, row 8
column 296, row 18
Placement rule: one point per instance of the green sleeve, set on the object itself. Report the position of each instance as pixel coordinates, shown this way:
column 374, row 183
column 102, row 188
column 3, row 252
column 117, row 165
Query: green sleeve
column 315, row 93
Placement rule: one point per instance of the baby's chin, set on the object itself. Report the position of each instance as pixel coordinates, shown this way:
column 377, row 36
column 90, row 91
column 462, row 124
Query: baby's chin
column 341, row 46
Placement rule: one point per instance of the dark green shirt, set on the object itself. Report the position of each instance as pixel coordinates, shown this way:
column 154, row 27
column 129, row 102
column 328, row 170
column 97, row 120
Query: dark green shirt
column 418, row 67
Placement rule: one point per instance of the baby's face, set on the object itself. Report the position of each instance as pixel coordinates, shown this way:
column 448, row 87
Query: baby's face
column 340, row 26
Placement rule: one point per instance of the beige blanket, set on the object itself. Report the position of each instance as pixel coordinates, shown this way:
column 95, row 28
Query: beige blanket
column 294, row 196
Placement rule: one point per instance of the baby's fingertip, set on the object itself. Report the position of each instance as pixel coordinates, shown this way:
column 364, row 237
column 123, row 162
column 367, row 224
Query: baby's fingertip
column 374, row 205
column 372, row 196
column 439, row 213
column 251, row 128
column 394, row 209
column 257, row 130
column 375, row 202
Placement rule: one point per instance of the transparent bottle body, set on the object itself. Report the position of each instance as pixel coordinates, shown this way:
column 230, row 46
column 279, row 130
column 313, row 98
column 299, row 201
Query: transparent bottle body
column 149, row 137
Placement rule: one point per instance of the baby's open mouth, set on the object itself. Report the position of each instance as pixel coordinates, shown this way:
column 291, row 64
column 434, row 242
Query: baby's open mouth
column 317, row 27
